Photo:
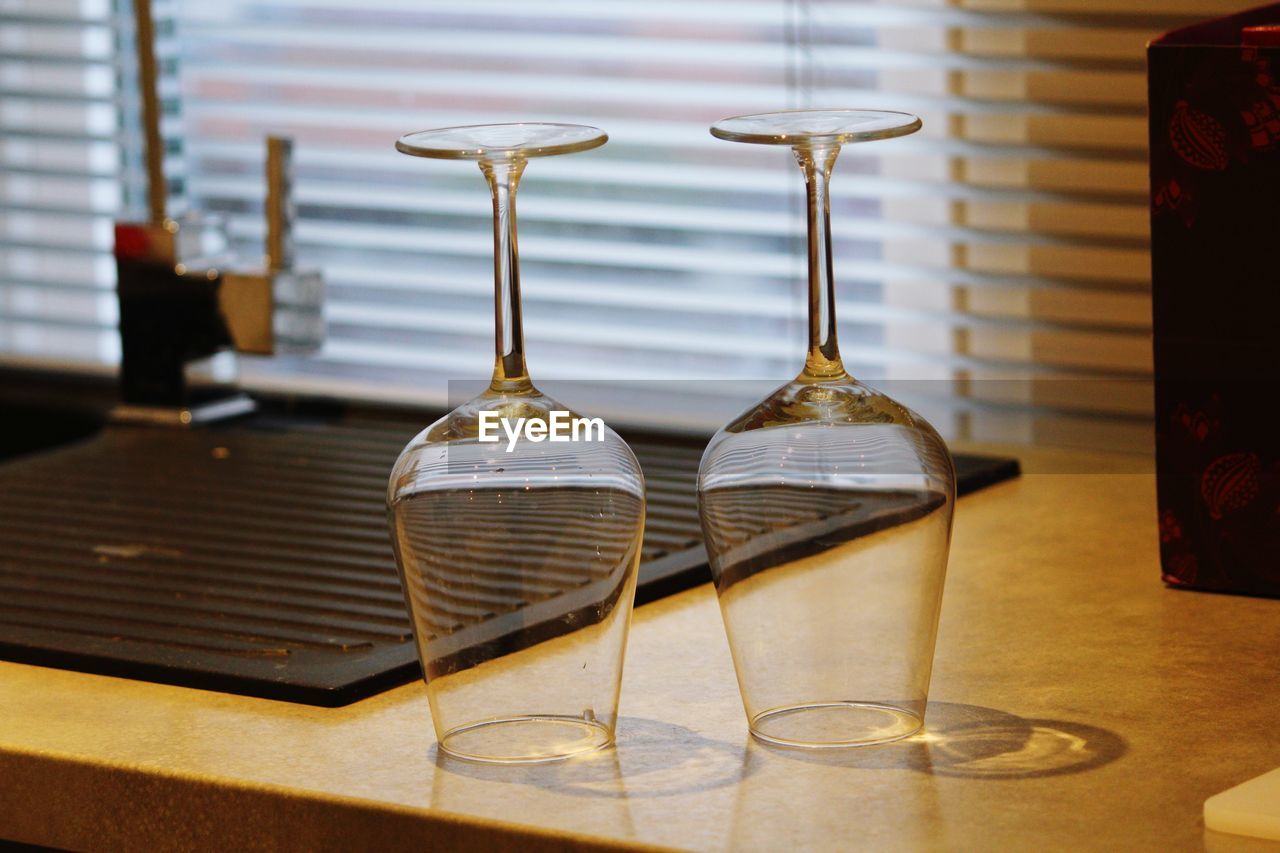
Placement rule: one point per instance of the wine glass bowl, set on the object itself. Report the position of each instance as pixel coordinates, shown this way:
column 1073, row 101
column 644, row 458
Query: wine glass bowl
column 826, row 509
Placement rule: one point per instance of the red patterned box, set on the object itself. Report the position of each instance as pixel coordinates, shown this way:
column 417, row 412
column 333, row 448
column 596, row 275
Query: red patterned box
column 1214, row 92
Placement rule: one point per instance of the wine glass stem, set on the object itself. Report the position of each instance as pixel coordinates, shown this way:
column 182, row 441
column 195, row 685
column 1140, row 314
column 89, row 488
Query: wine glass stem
column 823, row 359
column 509, row 372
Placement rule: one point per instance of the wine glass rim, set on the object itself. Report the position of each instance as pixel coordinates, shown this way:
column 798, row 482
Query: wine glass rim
column 412, row 143
column 893, row 123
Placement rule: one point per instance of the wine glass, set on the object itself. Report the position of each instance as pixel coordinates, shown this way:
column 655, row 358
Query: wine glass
column 827, row 508
column 518, row 556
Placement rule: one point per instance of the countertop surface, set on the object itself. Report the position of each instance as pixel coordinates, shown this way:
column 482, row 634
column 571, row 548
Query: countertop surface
column 1076, row 704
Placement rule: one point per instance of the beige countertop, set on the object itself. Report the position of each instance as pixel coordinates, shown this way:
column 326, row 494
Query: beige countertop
column 1076, row 704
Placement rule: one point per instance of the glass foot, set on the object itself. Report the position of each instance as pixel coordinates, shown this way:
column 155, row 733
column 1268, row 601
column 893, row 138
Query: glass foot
column 526, row 740
column 816, row 127
column 497, row 142
column 835, row 725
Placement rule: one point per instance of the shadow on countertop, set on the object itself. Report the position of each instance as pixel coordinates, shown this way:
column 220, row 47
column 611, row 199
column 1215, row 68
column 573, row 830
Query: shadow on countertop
column 974, row 742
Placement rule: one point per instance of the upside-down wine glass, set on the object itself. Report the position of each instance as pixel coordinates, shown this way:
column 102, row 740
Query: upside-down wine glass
column 518, row 556
column 827, row 509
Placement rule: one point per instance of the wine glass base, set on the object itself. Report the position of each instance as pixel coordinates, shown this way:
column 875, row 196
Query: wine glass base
column 534, row 739
column 835, row 725
column 816, row 127
column 499, row 142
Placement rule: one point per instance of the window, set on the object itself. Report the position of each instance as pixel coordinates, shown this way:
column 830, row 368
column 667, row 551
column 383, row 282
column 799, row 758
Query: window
column 1005, row 243
column 60, row 185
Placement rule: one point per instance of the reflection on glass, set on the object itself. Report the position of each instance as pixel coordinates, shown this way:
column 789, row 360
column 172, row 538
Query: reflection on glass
column 827, row 510
column 518, row 556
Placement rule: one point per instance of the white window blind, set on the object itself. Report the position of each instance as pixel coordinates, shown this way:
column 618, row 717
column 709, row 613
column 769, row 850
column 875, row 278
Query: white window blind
column 59, row 188
column 1005, row 243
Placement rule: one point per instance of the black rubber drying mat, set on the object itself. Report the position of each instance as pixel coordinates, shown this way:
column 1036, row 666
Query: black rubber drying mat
column 253, row 558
